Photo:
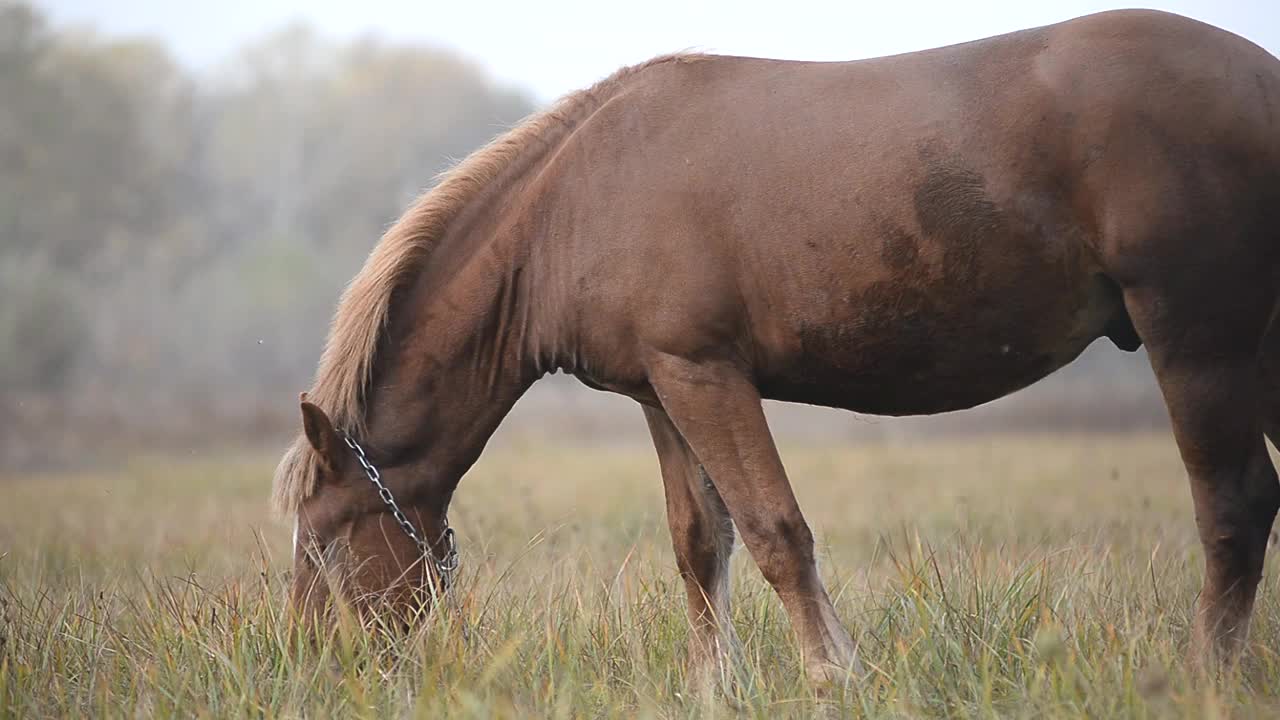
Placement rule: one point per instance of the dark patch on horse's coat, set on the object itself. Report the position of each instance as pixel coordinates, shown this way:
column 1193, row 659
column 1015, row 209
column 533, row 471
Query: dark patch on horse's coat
column 896, row 314
column 899, row 248
column 954, row 209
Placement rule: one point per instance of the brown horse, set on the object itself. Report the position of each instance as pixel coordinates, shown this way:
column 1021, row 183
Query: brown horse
column 904, row 235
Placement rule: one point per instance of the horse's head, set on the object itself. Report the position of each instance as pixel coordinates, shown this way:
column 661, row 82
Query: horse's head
column 369, row 530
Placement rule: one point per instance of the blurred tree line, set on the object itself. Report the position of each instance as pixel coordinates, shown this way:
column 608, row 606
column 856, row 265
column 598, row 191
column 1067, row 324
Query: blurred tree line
column 172, row 244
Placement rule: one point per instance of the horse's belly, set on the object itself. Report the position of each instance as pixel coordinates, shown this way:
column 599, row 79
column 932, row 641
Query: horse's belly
column 903, row 351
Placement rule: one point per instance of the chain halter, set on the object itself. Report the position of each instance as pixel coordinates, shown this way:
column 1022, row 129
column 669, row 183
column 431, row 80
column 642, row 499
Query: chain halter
column 446, row 566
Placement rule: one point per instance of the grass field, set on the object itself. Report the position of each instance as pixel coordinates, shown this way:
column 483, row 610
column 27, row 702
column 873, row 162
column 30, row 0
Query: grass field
column 1009, row 577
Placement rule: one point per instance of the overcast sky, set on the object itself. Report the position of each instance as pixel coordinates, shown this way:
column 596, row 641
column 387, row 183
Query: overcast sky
column 554, row 46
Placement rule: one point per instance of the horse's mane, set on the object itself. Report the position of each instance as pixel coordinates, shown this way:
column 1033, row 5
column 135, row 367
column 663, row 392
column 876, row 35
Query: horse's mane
column 347, row 361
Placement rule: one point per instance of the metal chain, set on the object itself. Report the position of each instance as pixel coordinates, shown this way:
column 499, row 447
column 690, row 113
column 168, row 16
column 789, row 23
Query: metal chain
column 447, row 565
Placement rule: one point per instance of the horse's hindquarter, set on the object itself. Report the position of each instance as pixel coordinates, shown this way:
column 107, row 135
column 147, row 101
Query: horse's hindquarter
column 904, row 235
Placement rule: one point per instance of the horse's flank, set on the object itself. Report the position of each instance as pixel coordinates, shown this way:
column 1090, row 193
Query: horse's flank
column 347, row 361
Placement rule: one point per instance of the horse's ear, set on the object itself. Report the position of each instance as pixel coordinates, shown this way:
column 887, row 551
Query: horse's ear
column 320, row 432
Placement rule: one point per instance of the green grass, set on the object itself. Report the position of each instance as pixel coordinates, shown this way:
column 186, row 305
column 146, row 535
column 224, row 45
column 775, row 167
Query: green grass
column 1009, row 577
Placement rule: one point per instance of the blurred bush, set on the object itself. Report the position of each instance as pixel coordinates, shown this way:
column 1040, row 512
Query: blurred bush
column 41, row 328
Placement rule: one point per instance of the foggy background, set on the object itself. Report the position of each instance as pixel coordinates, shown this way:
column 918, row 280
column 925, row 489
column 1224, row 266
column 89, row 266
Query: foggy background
column 185, row 189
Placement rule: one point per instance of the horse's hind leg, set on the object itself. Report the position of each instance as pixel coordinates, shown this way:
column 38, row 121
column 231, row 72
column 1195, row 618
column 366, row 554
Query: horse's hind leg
column 702, row 536
column 1204, row 349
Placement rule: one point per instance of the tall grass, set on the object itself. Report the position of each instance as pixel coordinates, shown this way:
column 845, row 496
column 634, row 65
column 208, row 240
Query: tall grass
column 1001, row 578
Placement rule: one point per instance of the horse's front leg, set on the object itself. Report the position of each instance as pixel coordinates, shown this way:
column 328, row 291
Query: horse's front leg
column 717, row 410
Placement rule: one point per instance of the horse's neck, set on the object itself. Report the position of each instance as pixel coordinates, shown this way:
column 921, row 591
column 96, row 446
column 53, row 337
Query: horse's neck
column 478, row 325
column 456, row 356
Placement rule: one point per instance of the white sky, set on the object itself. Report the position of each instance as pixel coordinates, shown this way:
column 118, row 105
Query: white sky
column 554, row 46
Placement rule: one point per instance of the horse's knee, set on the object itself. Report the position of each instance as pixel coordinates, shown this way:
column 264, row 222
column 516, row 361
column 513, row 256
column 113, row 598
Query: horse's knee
column 783, row 550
